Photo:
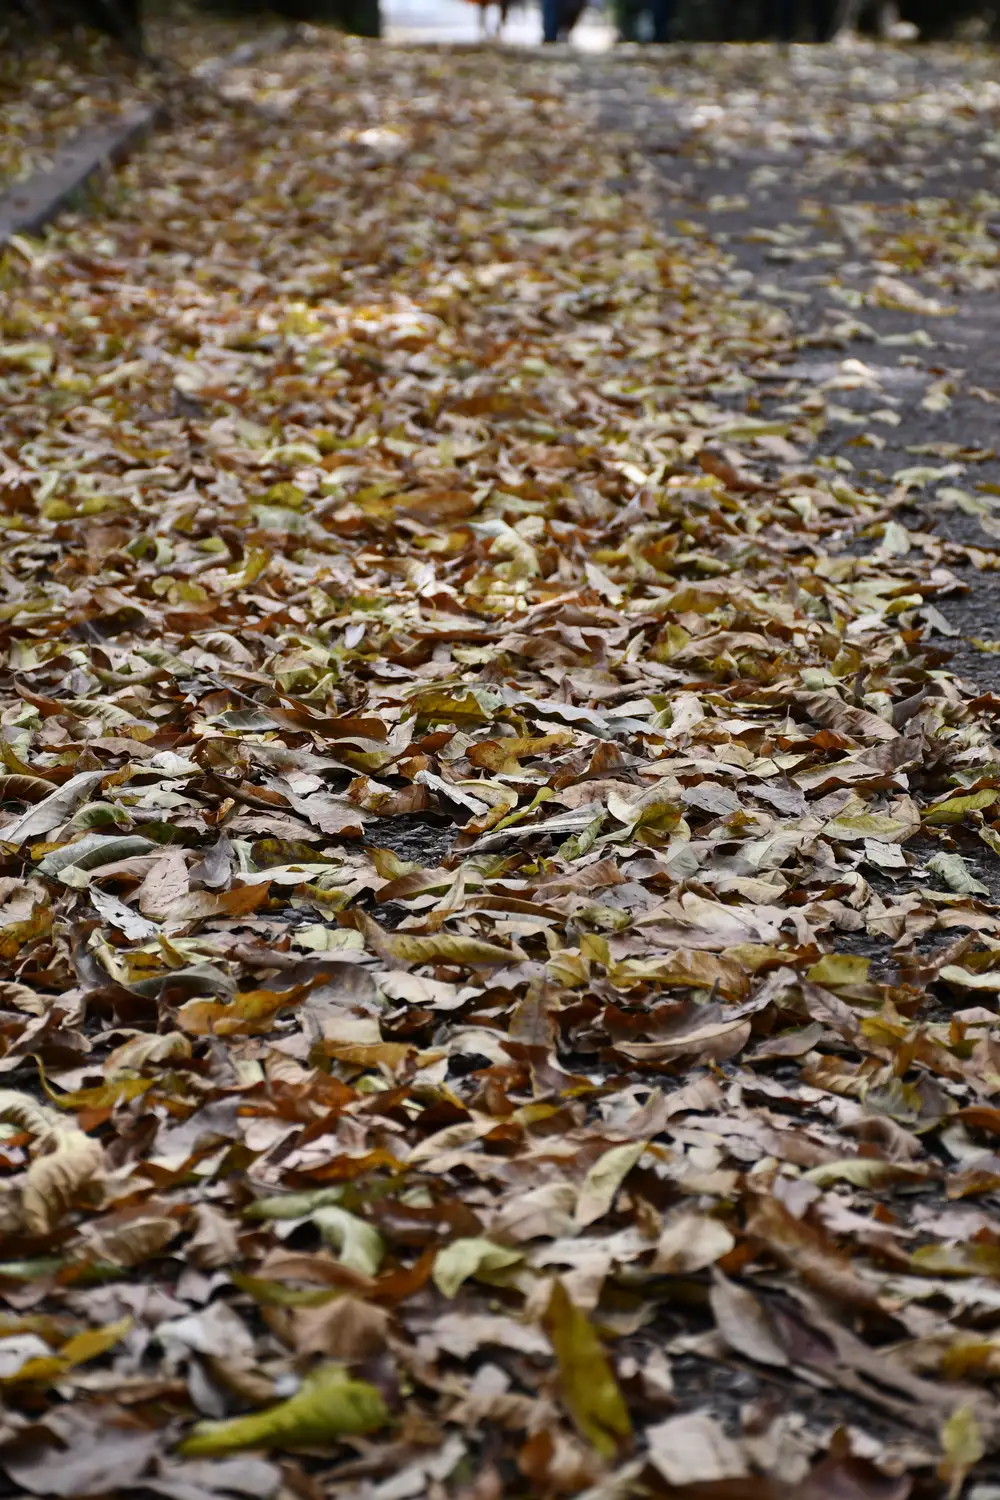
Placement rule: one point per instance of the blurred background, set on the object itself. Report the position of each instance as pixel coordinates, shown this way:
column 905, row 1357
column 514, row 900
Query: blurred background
column 458, row 21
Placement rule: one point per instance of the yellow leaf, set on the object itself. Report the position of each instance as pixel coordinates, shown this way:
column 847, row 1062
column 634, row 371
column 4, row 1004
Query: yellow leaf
column 589, row 1387
column 89, row 1344
column 865, row 1172
column 603, row 1181
column 247, row 1014
column 835, row 969
column 955, row 809
column 104, row 1096
column 329, row 1405
column 962, row 1442
column 421, row 950
column 94, row 1341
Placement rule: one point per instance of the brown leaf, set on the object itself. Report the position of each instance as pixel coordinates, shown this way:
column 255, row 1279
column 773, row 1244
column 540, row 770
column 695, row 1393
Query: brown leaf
column 347, row 1329
column 804, row 1249
column 743, row 1322
column 99, row 1456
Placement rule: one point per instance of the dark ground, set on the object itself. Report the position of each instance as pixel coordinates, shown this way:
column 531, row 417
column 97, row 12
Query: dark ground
column 800, row 195
column 927, row 175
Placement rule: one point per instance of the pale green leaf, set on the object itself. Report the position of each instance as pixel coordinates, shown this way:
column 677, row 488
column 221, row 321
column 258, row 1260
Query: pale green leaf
column 955, row 809
column 956, row 875
column 357, row 1244
column 460, row 1260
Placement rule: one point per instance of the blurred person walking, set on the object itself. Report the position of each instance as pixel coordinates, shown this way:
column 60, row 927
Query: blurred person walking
column 645, row 20
column 782, row 19
column 559, row 17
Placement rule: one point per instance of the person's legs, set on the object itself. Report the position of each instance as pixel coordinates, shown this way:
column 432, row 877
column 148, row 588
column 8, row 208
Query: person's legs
column 785, row 18
column 550, row 20
column 625, row 15
column 662, row 12
column 569, row 13
column 824, row 19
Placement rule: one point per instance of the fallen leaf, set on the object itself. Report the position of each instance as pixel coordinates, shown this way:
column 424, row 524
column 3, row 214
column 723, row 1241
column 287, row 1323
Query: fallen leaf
column 471, row 1257
column 328, row 1406
column 603, row 1181
column 743, row 1322
column 587, row 1381
column 694, row 1449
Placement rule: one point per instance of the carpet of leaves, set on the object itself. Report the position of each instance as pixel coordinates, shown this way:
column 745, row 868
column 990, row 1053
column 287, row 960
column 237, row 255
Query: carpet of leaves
column 455, row 762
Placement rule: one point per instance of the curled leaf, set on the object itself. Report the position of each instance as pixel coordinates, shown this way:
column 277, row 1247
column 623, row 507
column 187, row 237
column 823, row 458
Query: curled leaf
column 66, row 1163
column 472, row 1257
column 328, row 1406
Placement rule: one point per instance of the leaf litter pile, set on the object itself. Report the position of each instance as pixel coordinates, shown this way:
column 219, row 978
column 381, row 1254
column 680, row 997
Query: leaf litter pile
column 456, row 763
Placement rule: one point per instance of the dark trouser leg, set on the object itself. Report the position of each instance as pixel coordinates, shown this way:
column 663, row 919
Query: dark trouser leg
column 662, row 12
column 824, row 15
column 625, row 19
column 550, row 20
column 784, row 18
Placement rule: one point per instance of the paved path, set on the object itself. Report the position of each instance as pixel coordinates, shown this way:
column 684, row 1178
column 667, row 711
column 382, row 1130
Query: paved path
column 850, row 191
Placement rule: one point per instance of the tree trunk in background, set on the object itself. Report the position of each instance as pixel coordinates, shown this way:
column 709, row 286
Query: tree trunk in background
column 123, row 18
column 750, row 20
column 358, row 17
column 119, row 18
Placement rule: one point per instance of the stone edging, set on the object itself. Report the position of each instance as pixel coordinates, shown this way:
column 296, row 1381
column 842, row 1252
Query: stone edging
column 28, row 206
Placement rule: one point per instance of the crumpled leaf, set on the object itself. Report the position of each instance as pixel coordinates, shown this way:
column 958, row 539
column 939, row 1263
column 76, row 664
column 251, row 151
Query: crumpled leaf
column 357, row 1244
column 956, row 875
column 66, row 1164
column 797, row 1244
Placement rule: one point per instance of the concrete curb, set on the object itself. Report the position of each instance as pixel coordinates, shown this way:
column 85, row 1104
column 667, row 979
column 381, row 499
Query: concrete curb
column 28, row 206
